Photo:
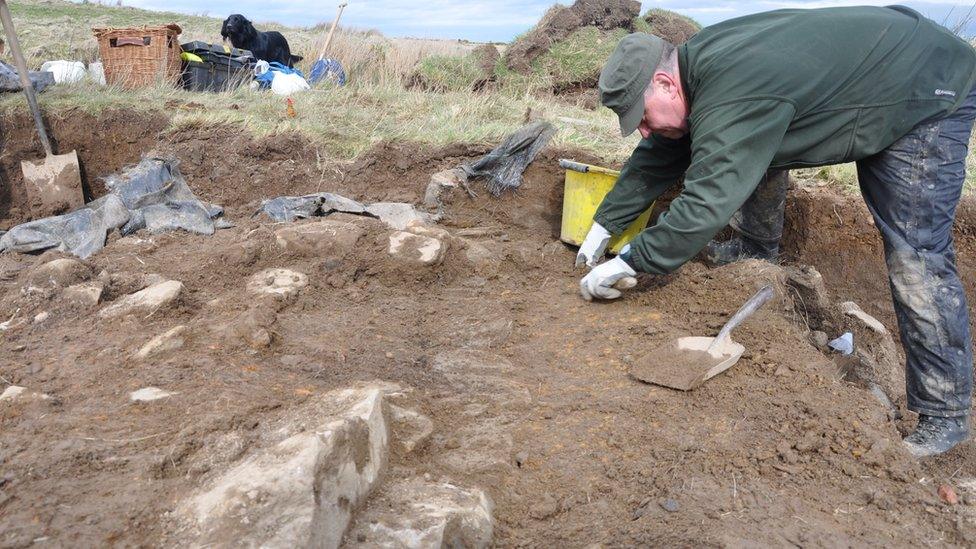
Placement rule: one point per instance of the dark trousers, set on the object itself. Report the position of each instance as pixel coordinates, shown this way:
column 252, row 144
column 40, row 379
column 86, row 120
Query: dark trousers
column 912, row 189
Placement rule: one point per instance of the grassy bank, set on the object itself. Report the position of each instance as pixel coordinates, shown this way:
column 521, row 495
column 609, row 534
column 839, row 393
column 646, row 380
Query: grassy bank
column 346, row 121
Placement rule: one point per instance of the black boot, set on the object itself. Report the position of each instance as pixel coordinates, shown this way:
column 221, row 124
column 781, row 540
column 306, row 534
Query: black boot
column 936, row 435
column 739, row 248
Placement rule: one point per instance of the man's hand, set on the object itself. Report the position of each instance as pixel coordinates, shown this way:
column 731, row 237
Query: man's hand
column 607, row 279
column 593, row 246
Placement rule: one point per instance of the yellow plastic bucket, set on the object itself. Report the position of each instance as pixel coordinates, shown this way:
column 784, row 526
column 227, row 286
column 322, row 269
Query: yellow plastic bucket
column 583, row 192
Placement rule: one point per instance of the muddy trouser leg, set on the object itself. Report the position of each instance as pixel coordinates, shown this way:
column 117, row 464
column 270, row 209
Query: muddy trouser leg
column 761, row 217
column 912, row 189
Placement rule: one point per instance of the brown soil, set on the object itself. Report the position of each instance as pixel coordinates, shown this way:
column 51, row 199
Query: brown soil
column 560, row 21
column 776, row 451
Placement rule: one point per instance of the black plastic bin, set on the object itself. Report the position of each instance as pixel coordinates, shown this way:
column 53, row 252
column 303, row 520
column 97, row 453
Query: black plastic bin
column 222, row 69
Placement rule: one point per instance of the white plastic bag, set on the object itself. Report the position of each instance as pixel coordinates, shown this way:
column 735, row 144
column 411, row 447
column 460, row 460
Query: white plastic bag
column 287, row 84
column 65, row 72
column 96, row 71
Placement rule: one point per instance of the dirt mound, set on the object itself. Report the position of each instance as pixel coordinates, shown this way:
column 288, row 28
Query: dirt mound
column 673, row 27
column 560, row 21
column 486, row 56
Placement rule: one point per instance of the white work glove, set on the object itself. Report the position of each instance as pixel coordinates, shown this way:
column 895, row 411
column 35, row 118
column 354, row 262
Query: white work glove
column 594, row 246
column 607, row 279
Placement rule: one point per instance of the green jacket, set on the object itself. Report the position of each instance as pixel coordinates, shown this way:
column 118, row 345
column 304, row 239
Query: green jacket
column 783, row 89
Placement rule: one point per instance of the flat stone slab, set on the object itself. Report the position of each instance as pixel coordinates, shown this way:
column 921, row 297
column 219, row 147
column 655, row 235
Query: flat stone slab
column 144, row 301
column 419, row 513
column 149, row 394
column 417, row 249
column 171, row 340
column 60, row 272
column 12, row 392
column 279, row 282
column 326, row 237
column 852, row 309
column 398, row 215
column 301, row 488
column 18, row 393
column 86, row 295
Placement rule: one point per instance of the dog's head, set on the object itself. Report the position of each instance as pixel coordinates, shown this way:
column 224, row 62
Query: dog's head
column 238, row 29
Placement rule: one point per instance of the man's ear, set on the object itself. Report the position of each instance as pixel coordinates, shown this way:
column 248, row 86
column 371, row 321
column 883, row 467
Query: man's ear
column 665, row 82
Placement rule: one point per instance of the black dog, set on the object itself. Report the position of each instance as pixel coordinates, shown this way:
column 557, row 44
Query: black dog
column 269, row 46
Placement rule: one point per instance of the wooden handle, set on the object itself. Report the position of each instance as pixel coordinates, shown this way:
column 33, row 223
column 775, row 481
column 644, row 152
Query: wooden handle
column 756, row 301
column 8, row 29
column 335, row 24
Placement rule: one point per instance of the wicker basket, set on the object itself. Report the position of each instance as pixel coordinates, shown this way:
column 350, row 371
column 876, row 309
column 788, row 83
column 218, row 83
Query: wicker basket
column 140, row 56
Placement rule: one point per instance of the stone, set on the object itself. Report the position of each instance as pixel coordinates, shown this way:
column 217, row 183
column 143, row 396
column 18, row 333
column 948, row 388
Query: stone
column 86, row 295
column 670, row 505
column 808, row 285
column 419, row 513
column 253, row 327
column 819, row 339
column 145, row 301
column 319, row 238
column 172, row 340
column 417, row 249
column 852, row 309
column 12, row 392
column 300, row 489
column 433, row 231
column 946, row 493
column 60, row 273
column 398, row 215
column 277, row 282
column 149, row 394
column 439, row 182
column 478, row 254
column 40, row 317
column 15, row 392
column 449, row 178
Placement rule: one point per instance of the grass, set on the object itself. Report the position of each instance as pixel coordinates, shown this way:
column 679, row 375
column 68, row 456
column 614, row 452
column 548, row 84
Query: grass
column 449, row 73
column 346, row 121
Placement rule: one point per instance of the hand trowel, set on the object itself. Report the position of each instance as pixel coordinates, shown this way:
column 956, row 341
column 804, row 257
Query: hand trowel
column 687, row 362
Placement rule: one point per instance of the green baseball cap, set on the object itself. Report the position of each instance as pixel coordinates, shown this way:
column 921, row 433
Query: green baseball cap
column 627, row 74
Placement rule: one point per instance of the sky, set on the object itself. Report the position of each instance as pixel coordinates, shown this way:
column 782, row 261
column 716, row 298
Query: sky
column 502, row 20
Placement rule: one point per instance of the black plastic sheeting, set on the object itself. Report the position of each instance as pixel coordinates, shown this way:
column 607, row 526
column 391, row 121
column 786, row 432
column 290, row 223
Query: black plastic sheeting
column 504, row 165
column 81, row 232
column 10, row 82
column 159, row 200
column 151, row 195
column 290, row 208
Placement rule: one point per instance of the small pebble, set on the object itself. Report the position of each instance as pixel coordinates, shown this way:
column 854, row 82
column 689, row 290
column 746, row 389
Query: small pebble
column 948, row 495
column 670, row 505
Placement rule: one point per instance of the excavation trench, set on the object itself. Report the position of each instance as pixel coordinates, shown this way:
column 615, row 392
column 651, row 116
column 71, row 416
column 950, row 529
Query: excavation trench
column 525, row 383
